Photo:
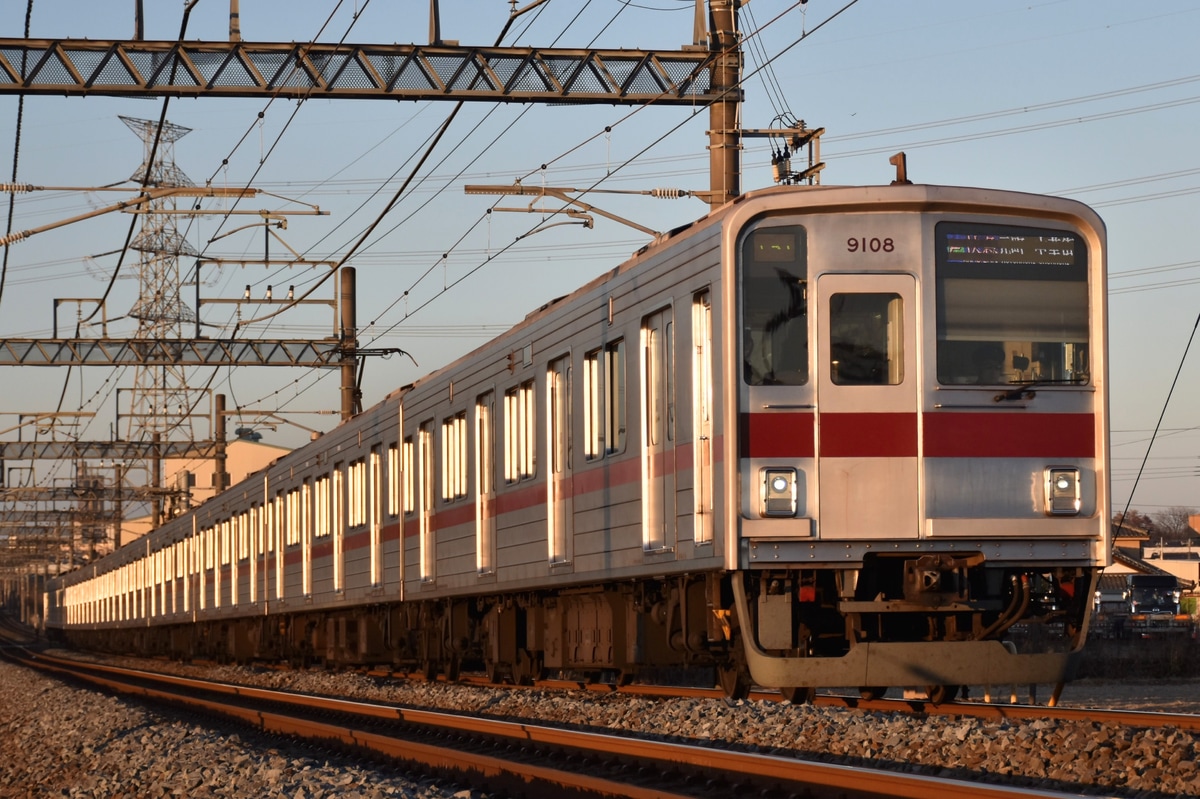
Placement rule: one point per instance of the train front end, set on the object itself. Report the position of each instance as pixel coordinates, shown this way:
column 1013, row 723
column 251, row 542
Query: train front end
column 917, row 390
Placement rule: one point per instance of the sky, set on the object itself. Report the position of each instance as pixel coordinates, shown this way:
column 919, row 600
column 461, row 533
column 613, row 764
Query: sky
column 1091, row 99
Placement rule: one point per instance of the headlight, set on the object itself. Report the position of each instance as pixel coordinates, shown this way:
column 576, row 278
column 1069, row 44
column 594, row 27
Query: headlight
column 779, row 492
column 1062, row 491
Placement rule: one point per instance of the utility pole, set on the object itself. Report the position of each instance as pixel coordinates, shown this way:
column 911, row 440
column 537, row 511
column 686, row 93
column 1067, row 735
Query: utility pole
column 724, row 141
column 706, row 72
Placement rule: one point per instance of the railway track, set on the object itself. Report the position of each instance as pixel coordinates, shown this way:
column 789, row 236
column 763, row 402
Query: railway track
column 990, row 711
column 507, row 757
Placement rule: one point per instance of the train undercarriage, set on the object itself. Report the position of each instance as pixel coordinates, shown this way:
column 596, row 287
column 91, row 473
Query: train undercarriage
column 936, row 622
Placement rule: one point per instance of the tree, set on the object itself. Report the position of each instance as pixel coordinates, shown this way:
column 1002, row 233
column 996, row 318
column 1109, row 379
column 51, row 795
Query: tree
column 1134, row 520
column 1172, row 524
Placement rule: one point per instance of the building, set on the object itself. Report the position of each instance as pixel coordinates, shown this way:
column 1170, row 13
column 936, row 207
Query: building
column 244, row 456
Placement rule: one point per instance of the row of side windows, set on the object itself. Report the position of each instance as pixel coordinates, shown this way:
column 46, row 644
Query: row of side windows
column 604, row 429
column 314, row 508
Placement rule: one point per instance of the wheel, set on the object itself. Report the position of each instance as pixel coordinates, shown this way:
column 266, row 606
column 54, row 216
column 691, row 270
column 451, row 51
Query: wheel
column 527, row 669
column 942, row 693
column 734, row 680
column 732, row 673
column 1055, row 694
column 799, row 696
column 872, row 692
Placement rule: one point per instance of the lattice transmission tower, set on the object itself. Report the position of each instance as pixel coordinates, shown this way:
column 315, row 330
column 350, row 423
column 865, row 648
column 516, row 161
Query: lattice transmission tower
column 162, row 402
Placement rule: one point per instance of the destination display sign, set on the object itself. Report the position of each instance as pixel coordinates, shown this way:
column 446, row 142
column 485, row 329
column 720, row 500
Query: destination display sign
column 998, row 244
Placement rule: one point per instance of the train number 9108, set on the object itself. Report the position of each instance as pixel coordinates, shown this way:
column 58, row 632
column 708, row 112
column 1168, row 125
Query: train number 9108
column 865, row 244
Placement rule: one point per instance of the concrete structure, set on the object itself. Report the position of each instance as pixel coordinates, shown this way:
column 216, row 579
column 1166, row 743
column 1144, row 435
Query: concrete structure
column 244, row 457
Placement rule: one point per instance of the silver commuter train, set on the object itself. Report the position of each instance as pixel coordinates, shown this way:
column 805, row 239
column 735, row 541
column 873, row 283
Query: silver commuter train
column 832, row 436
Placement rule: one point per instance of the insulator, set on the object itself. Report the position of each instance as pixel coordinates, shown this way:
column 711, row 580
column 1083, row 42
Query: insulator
column 15, row 188
column 14, row 238
column 669, row 194
column 782, row 169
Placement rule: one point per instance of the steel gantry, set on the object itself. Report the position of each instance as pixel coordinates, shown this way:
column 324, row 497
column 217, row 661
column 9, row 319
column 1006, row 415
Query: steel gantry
column 703, row 75
column 74, row 67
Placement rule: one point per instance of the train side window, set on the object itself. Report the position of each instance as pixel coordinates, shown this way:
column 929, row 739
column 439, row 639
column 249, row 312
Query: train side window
column 321, row 508
column 356, row 485
column 337, row 517
column 292, row 529
column 426, row 543
column 604, row 400
column 454, row 457
column 241, row 545
column 375, row 511
column 558, row 384
column 519, row 433
column 866, row 339
column 485, row 479
column 408, row 477
column 306, row 535
column 393, row 484
column 337, row 509
column 593, row 437
column 774, row 306
column 279, row 521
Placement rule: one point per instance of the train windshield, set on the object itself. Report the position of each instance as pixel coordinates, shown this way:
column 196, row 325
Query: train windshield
column 1153, row 599
column 774, row 278
column 1153, row 594
column 1012, row 305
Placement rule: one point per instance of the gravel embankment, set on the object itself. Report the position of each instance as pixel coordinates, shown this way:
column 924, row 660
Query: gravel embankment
column 65, row 742
column 1067, row 756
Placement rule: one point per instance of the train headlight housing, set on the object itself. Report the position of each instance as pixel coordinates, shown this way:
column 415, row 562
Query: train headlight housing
column 779, row 492
column 1062, row 491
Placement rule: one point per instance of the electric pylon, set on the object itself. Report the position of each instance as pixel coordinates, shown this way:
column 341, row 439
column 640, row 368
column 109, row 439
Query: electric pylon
column 162, row 402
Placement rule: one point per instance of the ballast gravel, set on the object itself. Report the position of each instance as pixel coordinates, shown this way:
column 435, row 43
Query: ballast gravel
column 52, row 735
column 59, row 741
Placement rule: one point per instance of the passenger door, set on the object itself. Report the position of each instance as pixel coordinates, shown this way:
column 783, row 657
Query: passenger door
column 562, row 506
column 702, row 418
column 658, row 432
column 867, row 419
column 485, row 479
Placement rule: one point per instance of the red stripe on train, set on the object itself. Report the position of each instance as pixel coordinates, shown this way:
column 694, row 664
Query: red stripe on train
column 1010, row 435
column 868, row 435
column 775, row 435
column 894, row 435
column 843, row 435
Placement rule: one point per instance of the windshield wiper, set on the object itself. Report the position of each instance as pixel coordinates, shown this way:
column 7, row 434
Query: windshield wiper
column 1026, row 390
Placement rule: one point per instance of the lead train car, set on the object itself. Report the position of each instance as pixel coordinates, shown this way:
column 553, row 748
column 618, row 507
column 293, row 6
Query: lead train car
column 821, row 437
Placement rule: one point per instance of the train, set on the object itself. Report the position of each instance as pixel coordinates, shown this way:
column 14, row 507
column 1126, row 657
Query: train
column 1149, row 606
column 824, row 436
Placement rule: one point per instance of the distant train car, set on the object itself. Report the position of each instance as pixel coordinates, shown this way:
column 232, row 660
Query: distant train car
column 821, row 437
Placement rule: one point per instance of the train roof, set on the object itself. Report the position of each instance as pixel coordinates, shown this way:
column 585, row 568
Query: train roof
column 916, row 196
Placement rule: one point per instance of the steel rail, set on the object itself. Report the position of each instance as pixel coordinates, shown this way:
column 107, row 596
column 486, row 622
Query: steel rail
column 982, row 710
column 991, row 712
column 743, row 768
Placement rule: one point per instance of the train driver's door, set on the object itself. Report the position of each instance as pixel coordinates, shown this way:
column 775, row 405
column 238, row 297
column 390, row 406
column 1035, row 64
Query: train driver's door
column 867, row 469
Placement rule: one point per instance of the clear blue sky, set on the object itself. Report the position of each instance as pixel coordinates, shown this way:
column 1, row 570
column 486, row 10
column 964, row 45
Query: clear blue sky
column 1093, row 99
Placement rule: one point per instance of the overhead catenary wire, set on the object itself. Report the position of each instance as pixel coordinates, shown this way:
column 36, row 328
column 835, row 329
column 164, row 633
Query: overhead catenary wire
column 12, row 199
column 1161, row 415
column 360, row 254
